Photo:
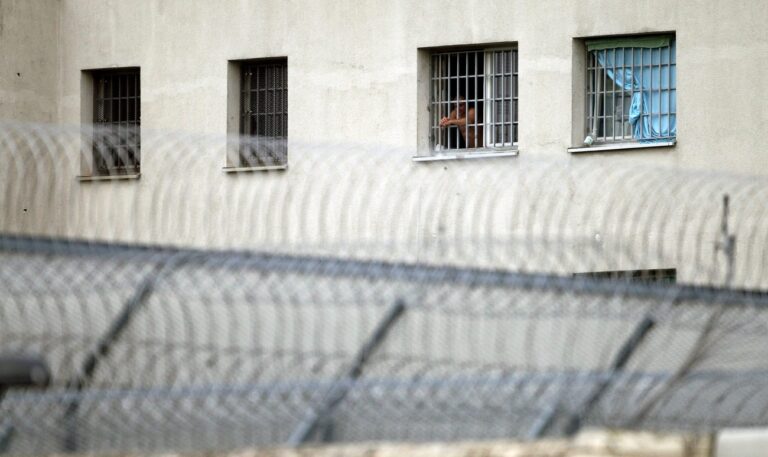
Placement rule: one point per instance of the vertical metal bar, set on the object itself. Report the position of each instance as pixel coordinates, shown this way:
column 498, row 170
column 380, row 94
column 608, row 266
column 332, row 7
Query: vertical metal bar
column 445, row 97
column 596, row 108
column 448, row 108
column 456, row 130
column 503, row 98
column 515, row 98
column 658, row 115
column 494, row 98
column 669, row 92
column 137, row 92
column 490, row 96
column 466, row 100
column 622, row 90
column 632, row 92
column 275, row 87
column 499, row 112
column 441, row 103
column 589, row 78
column 431, row 105
column 642, row 88
column 613, row 97
column 434, row 99
column 284, row 108
column 657, row 110
column 476, row 110
column 605, row 96
column 450, row 98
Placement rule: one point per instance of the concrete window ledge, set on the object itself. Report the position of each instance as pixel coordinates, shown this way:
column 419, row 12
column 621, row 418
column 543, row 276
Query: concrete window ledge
column 438, row 156
column 125, row 177
column 620, row 147
column 586, row 444
column 250, row 169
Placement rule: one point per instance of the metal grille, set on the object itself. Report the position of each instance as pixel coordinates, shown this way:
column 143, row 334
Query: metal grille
column 503, row 95
column 157, row 349
column 657, row 275
column 117, row 119
column 264, row 113
column 619, row 77
column 474, row 99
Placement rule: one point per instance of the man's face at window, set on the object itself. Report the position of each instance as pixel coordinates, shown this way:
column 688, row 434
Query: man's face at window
column 461, row 107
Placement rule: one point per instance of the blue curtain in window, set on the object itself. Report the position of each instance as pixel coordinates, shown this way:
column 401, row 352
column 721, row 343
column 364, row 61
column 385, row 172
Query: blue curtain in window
column 650, row 74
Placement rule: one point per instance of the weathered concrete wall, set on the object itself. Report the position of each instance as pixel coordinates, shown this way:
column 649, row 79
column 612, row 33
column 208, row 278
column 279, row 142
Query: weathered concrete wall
column 353, row 65
column 588, row 444
column 29, row 60
column 353, row 79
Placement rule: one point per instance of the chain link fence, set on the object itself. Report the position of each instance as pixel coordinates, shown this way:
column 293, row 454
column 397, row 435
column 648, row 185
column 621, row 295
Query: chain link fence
column 395, row 303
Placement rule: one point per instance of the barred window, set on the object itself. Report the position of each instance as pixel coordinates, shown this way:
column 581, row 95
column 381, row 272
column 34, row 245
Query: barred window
column 474, row 101
column 117, row 120
column 264, row 113
column 631, row 87
column 659, row 275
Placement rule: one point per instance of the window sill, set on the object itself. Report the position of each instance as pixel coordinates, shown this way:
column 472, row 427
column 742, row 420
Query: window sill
column 250, row 169
column 621, row 146
column 438, row 156
column 124, row 177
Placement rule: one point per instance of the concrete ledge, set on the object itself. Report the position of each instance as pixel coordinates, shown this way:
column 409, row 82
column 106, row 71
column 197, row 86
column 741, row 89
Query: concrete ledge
column 586, row 444
column 124, row 177
column 250, row 169
column 612, row 147
column 438, row 156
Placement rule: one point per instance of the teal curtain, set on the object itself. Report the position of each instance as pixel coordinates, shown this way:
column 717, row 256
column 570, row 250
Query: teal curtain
column 650, row 74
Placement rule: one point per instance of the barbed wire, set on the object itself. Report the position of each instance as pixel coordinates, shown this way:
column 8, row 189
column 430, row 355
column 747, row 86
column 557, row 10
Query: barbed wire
column 521, row 214
column 359, row 296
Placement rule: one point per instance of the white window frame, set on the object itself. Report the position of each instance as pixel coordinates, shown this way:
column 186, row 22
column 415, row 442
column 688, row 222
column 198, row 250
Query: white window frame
column 489, row 123
column 598, row 87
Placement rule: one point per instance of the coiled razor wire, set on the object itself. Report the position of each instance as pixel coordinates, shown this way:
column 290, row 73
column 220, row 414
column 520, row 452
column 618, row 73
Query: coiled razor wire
column 394, row 303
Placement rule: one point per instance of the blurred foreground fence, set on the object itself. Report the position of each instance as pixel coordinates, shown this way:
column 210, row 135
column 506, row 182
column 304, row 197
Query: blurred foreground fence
column 154, row 349
column 360, row 297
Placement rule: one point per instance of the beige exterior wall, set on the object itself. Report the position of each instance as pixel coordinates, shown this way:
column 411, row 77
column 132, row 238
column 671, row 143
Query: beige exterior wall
column 592, row 443
column 353, row 65
column 354, row 79
column 29, row 60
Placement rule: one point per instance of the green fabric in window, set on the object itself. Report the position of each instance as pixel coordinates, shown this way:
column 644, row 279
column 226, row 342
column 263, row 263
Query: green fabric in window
column 653, row 41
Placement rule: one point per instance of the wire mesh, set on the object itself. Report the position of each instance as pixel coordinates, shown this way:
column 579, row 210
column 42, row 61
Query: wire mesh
column 340, row 317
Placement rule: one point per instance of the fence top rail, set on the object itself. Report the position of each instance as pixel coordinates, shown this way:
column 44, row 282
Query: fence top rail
column 409, row 272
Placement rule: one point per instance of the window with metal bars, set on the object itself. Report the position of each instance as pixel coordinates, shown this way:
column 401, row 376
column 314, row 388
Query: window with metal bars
column 631, row 90
column 659, row 275
column 264, row 113
column 474, row 99
column 117, row 121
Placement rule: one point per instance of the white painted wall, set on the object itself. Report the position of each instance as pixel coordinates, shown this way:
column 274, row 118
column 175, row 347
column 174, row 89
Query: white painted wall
column 353, row 80
column 29, row 60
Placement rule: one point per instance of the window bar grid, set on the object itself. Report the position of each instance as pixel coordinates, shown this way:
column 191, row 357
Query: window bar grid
column 503, row 96
column 491, row 117
column 515, row 98
column 264, row 114
column 116, row 142
column 605, row 88
column 607, row 117
column 466, row 100
column 475, row 120
column 491, row 81
column 455, row 131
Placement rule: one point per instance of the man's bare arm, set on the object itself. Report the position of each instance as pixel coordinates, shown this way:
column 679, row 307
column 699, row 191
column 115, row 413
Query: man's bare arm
column 446, row 121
